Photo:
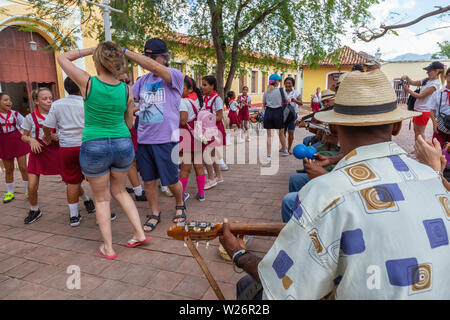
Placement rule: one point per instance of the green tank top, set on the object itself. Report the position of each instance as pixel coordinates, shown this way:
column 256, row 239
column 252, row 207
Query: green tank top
column 104, row 110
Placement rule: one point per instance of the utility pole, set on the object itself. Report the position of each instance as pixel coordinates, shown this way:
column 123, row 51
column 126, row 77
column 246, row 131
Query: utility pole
column 106, row 8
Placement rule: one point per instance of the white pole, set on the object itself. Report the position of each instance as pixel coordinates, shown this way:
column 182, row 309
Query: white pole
column 106, row 8
column 107, row 20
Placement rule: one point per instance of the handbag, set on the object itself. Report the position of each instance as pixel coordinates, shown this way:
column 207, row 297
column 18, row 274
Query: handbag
column 287, row 109
column 412, row 101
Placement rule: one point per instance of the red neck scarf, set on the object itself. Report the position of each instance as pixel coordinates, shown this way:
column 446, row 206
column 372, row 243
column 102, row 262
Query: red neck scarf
column 8, row 124
column 39, row 115
column 193, row 96
column 448, row 95
column 209, row 97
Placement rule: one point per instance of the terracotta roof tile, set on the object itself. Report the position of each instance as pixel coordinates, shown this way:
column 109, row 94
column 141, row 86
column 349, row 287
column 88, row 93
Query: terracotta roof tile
column 347, row 57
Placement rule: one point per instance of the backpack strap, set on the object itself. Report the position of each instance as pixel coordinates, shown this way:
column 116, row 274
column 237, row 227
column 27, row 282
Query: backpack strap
column 36, row 125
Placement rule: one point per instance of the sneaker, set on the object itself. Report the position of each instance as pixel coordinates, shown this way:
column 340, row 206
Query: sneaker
column 285, row 153
column 90, row 206
column 200, row 197
column 129, row 190
column 224, row 167
column 269, row 158
column 186, row 196
column 248, row 139
column 8, row 197
column 210, row 184
column 32, row 216
column 75, row 221
column 219, row 180
column 142, row 197
column 166, row 191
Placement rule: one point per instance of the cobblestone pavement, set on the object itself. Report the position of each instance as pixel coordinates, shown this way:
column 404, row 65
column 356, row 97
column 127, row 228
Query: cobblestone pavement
column 34, row 258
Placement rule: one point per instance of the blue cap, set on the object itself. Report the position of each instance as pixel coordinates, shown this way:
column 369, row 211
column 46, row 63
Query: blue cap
column 156, row 46
column 275, row 77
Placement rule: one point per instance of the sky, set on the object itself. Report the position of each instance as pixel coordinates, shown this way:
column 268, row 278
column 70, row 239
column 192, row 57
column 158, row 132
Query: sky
column 408, row 40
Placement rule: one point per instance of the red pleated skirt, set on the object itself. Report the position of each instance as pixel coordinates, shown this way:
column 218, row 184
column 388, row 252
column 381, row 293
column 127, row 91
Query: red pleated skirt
column 47, row 162
column 234, row 118
column 244, row 115
column 12, row 146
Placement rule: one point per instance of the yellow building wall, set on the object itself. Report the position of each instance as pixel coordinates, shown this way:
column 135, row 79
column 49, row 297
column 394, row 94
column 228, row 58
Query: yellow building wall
column 317, row 78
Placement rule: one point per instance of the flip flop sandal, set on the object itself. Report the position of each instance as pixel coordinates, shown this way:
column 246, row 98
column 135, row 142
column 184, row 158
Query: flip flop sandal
column 134, row 243
column 182, row 215
column 104, row 254
column 151, row 225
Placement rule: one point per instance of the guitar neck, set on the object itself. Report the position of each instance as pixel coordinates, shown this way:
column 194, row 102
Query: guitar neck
column 254, row 229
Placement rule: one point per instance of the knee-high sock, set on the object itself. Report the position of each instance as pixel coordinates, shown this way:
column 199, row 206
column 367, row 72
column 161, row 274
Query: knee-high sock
column 184, row 182
column 201, row 180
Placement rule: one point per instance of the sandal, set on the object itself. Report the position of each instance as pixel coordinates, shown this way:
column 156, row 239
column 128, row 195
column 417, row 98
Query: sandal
column 103, row 253
column 134, row 243
column 182, row 215
column 151, row 225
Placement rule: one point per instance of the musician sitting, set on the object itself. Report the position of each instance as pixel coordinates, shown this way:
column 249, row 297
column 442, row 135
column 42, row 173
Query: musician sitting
column 376, row 227
column 328, row 156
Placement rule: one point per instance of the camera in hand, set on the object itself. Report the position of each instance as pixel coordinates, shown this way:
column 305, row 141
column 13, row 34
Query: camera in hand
column 403, row 82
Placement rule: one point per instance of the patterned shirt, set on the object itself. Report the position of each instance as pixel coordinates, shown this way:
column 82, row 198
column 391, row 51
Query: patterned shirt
column 376, row 227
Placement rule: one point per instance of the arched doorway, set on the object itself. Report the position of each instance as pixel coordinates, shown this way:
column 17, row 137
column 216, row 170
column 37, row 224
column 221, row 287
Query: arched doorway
column 22, row 69
column 332, row 80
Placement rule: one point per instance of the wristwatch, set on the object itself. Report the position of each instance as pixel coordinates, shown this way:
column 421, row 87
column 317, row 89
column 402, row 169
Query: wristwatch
column 237, row 255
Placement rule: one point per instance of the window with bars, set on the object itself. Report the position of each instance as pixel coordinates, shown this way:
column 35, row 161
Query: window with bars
column 263, row 81
column 254, row 81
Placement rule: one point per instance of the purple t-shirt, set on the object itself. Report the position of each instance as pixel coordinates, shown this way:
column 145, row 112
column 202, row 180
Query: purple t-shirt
column 159, row 116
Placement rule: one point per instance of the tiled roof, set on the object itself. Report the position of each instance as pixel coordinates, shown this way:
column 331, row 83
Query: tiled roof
column 347, row 57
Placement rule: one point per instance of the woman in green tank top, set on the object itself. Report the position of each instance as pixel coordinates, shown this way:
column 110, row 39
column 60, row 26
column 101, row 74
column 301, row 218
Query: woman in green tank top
column 107, row 150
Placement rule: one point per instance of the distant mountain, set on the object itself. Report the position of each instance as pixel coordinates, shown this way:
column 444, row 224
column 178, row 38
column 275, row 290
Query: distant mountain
column 412, row 57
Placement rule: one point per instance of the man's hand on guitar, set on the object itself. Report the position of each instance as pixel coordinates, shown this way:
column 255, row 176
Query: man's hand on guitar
column 230, row 242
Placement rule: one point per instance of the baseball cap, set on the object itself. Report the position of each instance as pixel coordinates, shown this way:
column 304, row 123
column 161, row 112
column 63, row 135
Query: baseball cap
column 434, row 65
column 275, row 77
column 372, row 63
column 155, row 46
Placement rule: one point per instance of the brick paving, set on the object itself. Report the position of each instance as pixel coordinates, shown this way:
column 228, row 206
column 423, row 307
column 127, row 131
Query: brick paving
column 34, row 258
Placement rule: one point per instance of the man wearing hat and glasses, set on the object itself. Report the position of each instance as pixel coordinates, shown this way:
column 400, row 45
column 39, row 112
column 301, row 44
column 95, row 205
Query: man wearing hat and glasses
column 159, row 93
column 372, row 65
column 376, row 227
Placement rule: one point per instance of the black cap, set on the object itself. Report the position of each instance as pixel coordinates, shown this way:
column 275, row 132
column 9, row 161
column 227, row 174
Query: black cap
column 358, row 67
column 155, row 46
column 434, row 66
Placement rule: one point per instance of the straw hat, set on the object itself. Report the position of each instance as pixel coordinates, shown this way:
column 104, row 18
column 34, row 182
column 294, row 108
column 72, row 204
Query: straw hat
column 328, row 94
column 365, row 99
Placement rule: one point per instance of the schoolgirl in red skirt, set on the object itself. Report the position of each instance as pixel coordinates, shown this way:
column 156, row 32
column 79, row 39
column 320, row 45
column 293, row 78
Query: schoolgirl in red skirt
column 244, row 102
column 11, row 146
column 190, row 148
column 231, row 103
column 44, row 159
column 214, row 104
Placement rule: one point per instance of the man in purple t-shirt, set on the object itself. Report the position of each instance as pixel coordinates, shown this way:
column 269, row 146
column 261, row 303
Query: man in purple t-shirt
column 159, row 94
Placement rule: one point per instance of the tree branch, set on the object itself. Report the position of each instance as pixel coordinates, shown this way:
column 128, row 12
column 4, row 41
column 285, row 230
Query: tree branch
column 399, row 26
column 258, row 20
column 445, row 27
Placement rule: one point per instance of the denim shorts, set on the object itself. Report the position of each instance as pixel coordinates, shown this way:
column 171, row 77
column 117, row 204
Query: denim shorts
column 99, row 156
